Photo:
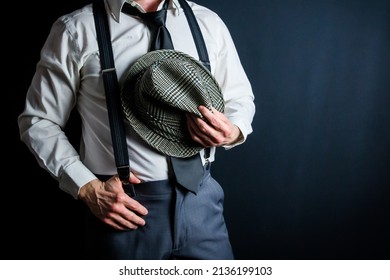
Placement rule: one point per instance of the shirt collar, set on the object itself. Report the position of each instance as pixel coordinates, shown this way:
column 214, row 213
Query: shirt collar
column 115, row 7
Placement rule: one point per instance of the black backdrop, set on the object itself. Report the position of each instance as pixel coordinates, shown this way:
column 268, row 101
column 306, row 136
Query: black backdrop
column 311, row 182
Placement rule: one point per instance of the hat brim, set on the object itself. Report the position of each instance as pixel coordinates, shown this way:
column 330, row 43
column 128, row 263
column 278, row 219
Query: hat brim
column 185, row 146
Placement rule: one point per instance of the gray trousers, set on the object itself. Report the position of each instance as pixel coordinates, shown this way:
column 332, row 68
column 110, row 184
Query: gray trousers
column 179, row 225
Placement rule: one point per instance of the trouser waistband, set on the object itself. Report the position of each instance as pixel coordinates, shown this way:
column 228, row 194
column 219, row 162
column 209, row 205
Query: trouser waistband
column 147, row 188
column 152, row 187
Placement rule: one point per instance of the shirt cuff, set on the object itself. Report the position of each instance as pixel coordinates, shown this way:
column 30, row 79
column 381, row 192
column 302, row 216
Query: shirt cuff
column 74, row 177
column 245, row 130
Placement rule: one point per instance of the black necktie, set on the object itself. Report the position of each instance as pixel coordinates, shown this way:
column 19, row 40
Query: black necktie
column 188, row 171
column 161, row 39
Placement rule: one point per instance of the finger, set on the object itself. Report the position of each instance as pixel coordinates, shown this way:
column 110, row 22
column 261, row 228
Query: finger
column 191, row 123
column 120, row 223
column 134, row 179
column 131, row 220
column 127, row 212
column 208, row 134
column 123, row 213
column 224, row 130
column 134, row 206
column 113, row 224
column 196, row 135
column 198, row 125
column 213, row 118
column 195, row 127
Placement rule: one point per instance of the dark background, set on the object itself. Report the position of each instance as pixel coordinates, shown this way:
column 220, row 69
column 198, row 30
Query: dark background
column 311, row 182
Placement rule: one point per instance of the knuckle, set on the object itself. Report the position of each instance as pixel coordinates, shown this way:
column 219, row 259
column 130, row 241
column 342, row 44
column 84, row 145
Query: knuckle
column 114, row 208
column 120, row 197
column 219, row 140
column 203, row 128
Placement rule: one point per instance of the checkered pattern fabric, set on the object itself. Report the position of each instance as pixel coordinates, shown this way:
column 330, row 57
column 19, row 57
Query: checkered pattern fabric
column 160, row 88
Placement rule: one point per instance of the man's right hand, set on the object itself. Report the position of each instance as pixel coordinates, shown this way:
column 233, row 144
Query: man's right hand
column 108, row 201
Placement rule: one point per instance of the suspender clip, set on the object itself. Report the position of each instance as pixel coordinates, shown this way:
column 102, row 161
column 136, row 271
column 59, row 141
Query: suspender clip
column 124, row 176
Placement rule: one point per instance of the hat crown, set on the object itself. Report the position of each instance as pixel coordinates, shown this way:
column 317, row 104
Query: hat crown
column 176, row 83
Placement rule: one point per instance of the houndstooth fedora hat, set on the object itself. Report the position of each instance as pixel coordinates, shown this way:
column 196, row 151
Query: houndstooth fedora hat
column 159, row 89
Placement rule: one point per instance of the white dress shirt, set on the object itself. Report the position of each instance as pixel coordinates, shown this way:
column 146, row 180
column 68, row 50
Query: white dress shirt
column 68, row 74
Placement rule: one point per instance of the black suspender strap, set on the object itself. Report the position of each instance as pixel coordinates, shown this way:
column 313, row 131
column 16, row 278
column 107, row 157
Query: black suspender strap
column 111, row 87
column 199, row 42
column 196, row 33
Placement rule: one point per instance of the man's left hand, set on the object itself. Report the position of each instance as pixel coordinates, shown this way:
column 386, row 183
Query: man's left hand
column 215, row 130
